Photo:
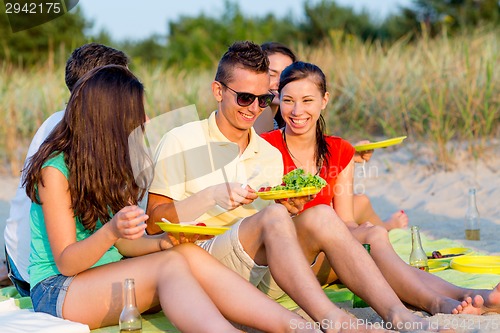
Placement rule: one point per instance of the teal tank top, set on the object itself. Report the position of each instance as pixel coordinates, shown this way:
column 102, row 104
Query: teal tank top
column 42, row 264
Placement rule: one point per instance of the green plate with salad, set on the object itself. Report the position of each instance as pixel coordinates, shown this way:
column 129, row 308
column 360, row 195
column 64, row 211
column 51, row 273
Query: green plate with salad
column 283, row 194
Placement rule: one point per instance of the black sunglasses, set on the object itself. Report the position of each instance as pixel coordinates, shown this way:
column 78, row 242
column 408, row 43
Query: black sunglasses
column 246, row 99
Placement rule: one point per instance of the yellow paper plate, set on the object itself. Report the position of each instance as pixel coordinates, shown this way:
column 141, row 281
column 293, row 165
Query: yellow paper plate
column 192, row 229
column 380, row 144
column 477, row 264
column 462, row 251
column 436, row 266
column 283, row 194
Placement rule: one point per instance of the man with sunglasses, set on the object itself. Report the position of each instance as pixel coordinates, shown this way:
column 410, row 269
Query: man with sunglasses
column 206, row 171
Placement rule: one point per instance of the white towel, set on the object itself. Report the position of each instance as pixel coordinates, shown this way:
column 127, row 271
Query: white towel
column 15, row 320
column 8, row 305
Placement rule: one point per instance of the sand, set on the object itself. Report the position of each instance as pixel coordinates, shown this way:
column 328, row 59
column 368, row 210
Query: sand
column 405, row 177
column 436, row 200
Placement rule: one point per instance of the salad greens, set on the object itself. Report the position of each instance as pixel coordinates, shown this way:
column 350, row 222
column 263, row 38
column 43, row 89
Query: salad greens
column 297, row 179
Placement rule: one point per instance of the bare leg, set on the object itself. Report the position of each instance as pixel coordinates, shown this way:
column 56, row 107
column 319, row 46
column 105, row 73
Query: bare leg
column 323, row 270
column 183, row 280
column 416, row 287
column 162, row 277
column 270, row 238
column 219, row 282
column 320, row 229
column 484, row 299
column 364, row 212
column 444, row 297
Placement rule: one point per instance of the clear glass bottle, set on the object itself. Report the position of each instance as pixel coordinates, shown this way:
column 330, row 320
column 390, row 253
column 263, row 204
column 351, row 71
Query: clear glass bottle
column 418, row 258
column 358, row 302
column 472, row 218
column 130, row 318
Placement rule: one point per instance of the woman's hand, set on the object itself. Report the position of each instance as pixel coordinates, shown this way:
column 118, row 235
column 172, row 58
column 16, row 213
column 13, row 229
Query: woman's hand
column 181, row 238
column 295, row 205
column 129, row 223
column 165, row 242
column 362, row 156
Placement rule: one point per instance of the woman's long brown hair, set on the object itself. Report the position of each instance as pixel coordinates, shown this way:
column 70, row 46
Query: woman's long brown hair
column 106, row 106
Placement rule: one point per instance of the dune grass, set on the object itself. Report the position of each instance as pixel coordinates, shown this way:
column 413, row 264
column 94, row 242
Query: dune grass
column 436, row 91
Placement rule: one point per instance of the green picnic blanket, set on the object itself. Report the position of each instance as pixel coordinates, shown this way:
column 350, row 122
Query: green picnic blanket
column 401, row 241
column 337, row 293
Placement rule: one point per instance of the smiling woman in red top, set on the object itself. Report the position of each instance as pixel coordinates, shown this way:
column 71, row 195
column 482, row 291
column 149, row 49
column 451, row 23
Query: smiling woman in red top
column 303, row 144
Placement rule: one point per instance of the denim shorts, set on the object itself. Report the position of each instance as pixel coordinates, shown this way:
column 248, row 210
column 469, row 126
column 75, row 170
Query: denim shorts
column 23, row 287
column 48, row 295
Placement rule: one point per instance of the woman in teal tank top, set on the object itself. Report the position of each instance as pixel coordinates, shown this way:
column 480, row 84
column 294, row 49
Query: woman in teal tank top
column 85, row 219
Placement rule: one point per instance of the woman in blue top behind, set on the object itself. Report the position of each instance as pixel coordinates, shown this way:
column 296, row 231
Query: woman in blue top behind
column 85, row 219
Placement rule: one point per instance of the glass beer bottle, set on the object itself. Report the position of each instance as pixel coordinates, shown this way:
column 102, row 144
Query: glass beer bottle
column 418, row 258
column 472, row 218
column 130, row 318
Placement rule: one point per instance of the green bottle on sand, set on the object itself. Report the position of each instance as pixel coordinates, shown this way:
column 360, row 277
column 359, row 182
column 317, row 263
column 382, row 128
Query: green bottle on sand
column 357, row 302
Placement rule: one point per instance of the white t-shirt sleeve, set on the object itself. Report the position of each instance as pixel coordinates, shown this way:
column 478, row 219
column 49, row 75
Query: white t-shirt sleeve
column 17, row 233
column 43, row 132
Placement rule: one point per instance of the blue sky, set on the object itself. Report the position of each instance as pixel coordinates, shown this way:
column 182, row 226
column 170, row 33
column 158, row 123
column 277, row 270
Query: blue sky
column 136, row 19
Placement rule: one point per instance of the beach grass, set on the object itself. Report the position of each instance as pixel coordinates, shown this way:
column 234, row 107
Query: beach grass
column 436, row 91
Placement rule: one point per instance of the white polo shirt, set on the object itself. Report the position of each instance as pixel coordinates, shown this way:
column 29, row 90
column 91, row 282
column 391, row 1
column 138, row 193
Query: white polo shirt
column 197, row 155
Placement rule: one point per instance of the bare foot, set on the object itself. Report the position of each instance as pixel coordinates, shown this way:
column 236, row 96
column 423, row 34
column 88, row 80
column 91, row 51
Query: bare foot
column 400, row 319
column 489, row 302
column 467, row 307
column 407, row 321
column 339, row 321
column 397, row 220
column 448, row 305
